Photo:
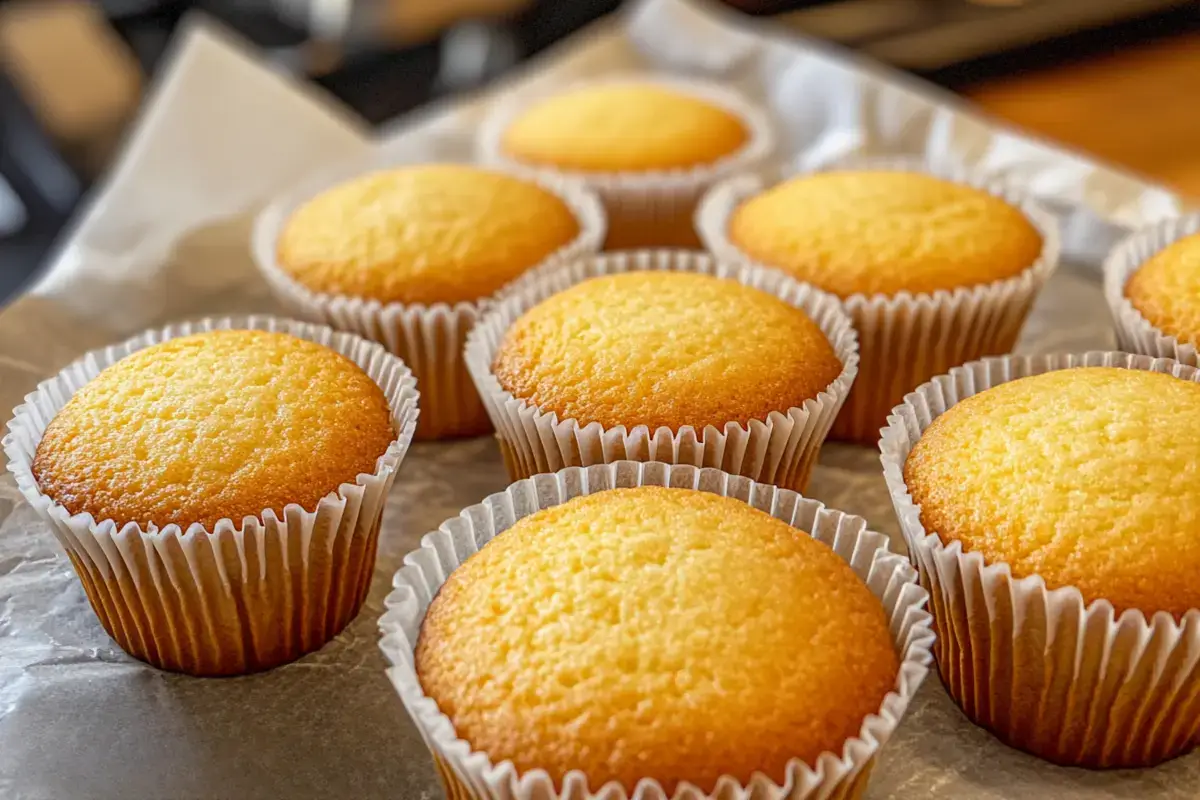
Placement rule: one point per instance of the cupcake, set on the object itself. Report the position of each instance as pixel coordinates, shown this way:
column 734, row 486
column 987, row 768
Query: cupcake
column 218, row 487
column 663, row 356
column 1051, row 505
column 935, row 268
column 1152, row 284
column 649, row 148
column 408, row 257
column 590, row 648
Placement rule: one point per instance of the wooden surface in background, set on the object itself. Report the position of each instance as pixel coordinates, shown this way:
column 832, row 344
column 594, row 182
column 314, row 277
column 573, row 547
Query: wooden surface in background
column 1138, row 108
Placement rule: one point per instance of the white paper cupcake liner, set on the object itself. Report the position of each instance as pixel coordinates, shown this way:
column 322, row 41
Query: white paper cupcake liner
column 470, row 774
column 781, row 449
column 1069, row 682
column 236, row 598
column 647, row 208
column 905, row 339
column 1135, row 333
column 429, row 338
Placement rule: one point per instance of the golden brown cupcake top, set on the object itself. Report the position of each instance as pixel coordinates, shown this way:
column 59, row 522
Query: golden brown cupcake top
column 655, row 633
column 884, row 232
column 624, row 127
column 1087, row 477
column 433, row 233
column 664, row 349
column 1166, row 290
column 214, row 425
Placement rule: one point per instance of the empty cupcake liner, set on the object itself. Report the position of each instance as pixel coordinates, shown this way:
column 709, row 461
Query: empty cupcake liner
column 782, row 449
column 468, row 774
column 240, row 597
column 905, row 339
column 429, row 338
column 1135, row 333
column 647, row 208
column 1072, row 683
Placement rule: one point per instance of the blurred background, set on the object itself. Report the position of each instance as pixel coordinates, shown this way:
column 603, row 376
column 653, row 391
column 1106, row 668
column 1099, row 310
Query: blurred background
column 1118, row 79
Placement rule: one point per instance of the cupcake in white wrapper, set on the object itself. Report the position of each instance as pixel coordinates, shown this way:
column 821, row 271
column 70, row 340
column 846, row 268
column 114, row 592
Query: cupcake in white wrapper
column 428, row 336
column 781, row 448
column 646, row 207
column 1071, row 681
column 1135, row 333
column 841, row 773
column 905, row 338
column 242, row 595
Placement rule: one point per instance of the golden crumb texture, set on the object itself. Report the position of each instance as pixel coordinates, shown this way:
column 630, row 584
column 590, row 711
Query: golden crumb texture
column 635, row 127
column 214, row 425
column 664, row 349
column 884, row 232
column 1166, row 290
column 1088, row 477
column 432, row 233
column 655, row 633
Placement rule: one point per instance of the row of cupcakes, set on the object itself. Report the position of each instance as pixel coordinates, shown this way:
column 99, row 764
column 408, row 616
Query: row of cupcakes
column 219, row 488
column 579, row 637
column 935, row 267
column 1043, row 499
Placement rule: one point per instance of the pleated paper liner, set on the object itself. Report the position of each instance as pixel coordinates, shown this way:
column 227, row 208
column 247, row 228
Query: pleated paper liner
column 782, row 449
column 1135, row 333
column 652, row 208
column 853, row 788
column 233, row 599
column 430, row 338
column 468, row 774
column 906, row 339
column 1073, row 683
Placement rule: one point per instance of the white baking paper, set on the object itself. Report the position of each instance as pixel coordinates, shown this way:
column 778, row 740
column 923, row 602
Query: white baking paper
column 167, row 238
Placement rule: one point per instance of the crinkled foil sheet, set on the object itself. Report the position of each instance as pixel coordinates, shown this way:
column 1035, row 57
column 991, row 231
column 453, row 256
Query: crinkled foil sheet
column 167, row 238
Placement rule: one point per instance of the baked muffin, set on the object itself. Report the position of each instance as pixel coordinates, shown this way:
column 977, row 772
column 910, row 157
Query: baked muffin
column 1152, row 291
column 664, row 350
column 430, row 233
column 592, row 636
column 1166, row 290
column 649, row 148
column 885, row 232
column 407, row 255
column 226, row 460
column 681, row 360
column 916, row 257
column 1106, row 499
column 218, row 425
column 1054, row 517
column 624, row 127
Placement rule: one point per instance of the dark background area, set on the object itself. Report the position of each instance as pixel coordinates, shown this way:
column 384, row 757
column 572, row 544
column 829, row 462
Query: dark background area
column 382, row 73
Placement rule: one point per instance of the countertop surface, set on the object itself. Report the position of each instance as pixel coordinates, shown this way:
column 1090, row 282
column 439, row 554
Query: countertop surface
column 1135, row 108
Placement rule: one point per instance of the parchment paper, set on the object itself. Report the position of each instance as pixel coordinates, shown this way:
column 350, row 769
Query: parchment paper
column 167, row 239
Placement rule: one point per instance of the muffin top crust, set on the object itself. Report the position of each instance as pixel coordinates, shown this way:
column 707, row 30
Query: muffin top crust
column 664, row 349
column 884, row 232
column 1087, row 477
column 655, row 633
column 617, row 127
column 1166, row 290
column 431, row 233
column 220, row 424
